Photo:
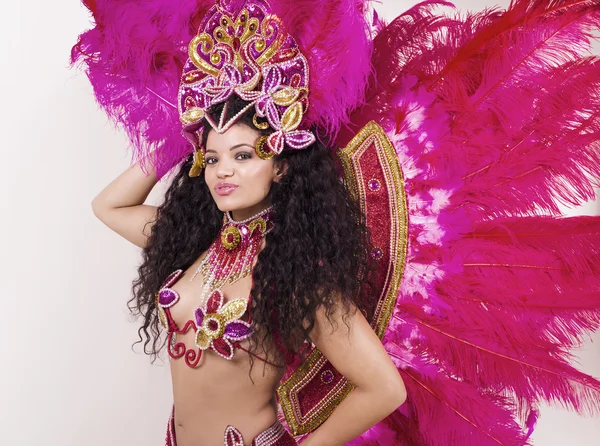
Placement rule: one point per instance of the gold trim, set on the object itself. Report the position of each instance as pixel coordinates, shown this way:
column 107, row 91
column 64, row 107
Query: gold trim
column 266, row 31
column 214, row 334
column 191, row 115
column 259, row 223
column 259, row 125
column 198, row 165
column 207, row 45
column 349, row 157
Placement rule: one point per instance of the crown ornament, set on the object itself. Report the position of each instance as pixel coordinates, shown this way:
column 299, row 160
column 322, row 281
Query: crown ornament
column 241, row 48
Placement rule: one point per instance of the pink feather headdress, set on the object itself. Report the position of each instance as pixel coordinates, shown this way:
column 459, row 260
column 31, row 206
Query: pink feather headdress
column 136, row 53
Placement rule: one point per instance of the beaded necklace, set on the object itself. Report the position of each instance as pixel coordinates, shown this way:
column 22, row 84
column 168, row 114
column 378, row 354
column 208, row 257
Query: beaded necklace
column 230, row 256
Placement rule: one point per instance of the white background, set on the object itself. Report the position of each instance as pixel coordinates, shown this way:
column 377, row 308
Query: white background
column 68, row 375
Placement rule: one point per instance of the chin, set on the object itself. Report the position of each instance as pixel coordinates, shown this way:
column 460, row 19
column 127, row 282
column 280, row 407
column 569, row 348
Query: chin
column 226, row 207
column 229, row 204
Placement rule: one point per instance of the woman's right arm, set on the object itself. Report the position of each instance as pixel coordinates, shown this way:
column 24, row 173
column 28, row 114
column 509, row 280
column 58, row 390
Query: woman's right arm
column 120, row 205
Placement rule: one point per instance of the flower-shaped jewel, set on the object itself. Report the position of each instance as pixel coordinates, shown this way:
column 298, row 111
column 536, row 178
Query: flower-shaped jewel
column 276, row 94
column 230, row 81
column 219, row 325
column 286, row 133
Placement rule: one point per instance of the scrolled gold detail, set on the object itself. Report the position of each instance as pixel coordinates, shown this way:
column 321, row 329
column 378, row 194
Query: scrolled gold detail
column 207, row 43
column 259, row 223
column 259, row 125
column 220, row 32
column 250, row 28
column 267, row 30
column 260, row 149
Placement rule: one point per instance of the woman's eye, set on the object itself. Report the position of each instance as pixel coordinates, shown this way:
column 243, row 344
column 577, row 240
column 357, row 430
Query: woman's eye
column 243, row 156
column 211, row 160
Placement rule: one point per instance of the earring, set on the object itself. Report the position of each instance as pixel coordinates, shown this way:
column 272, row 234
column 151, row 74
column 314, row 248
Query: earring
column 199, row 163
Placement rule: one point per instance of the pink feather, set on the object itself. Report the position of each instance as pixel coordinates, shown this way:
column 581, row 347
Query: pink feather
column 133, row 57
column 494, row 119
column 334, row 36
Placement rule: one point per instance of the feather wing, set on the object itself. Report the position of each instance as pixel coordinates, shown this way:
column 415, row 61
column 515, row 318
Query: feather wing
column 494, row 120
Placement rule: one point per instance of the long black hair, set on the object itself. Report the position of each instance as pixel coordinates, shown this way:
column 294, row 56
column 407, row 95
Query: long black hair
column 316, row 256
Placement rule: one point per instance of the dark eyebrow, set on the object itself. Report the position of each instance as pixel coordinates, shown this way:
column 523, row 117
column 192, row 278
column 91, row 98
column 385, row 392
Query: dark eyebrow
column 237, row 146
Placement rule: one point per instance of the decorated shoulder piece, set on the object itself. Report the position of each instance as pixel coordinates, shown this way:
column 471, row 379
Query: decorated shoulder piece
column 374, row 177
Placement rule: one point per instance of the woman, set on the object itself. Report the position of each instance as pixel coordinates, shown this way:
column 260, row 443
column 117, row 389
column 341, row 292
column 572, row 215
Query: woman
column 456, row 153
column 305, row 272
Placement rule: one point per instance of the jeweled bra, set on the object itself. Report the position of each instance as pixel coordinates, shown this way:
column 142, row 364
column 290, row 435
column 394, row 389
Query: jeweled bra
column 217, row 323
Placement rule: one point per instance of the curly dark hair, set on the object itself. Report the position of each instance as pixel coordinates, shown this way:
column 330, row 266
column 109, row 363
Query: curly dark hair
column 317, row 255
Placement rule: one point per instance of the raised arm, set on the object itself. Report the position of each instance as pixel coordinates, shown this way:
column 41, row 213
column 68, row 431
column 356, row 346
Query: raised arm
column 357, row 353
column 120, row 205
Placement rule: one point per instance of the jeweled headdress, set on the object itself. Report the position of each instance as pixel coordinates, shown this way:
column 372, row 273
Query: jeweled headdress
column 136, row 53
column 241, row 48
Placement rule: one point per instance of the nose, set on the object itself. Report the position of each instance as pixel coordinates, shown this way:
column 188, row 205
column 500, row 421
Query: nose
column 224, row 168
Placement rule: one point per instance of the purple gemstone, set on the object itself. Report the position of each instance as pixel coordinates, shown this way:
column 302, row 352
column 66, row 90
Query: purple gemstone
column 167, row 297
column 374, row 185
column 237, row 330
column 327, row 376
column 377, row 253
column 199, row 315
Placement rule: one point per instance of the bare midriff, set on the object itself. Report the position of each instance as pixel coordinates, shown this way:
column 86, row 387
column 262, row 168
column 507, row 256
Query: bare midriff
column 219, row 392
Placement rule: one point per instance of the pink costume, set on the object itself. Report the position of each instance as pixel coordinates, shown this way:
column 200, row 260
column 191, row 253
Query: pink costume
column 218, row 325
column 460, row 136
